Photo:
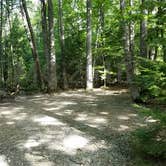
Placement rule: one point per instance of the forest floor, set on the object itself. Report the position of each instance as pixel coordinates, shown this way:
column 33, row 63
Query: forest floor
column 68, row 129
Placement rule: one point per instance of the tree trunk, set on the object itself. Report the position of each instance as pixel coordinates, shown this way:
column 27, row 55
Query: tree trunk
column 62, row 44
column 143, row 33
column 45, row 39
column 128, row 38
column 9, row 9
column 52, row 58
column 32, row 41
column 1, row 45
column 89, row 68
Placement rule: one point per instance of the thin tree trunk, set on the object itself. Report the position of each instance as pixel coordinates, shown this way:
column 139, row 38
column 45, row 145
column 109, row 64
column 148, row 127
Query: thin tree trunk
column 26, row 17
column 163, row 47
column 11, row 43
column 89, row 68
column 62, row 43
column 143, row 33
column 52, row 58
column 1, row 46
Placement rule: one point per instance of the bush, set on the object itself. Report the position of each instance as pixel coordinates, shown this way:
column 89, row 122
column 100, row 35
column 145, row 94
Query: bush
column 151, row 79
column 151, row 141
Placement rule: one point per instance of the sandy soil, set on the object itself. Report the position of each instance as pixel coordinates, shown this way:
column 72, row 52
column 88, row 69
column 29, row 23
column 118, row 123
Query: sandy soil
column 68, row 129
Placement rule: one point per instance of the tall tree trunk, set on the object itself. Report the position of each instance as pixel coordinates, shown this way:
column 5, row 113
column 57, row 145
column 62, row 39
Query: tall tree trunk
column 128, row 38
column 89, row 67
column 143, row 32
column 161, row 12
column 32, row 41
column 126, row 41
column 52, row 58
column 62, row 43
column 9, row 9
column 45, row 39
column 1, row 46
column 164, row 46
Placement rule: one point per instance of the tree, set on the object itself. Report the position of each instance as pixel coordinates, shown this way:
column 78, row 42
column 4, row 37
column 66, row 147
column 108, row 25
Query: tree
column 143, row 31
column 52, row 84
column 32, row 41
column 62, row 44
column 89, row 68
column 1, row 46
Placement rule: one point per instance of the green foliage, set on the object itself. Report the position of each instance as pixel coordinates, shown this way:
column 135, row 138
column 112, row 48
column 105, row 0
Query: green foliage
column 150, row 141
column 151, row 78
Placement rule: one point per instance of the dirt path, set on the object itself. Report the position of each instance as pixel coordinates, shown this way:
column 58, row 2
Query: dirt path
column 68, row 129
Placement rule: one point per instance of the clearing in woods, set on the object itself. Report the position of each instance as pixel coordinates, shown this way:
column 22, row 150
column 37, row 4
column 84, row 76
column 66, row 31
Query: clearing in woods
column 68, row 129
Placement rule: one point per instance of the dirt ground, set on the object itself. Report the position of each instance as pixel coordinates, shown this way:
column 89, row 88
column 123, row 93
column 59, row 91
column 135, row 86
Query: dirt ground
column 68, row 129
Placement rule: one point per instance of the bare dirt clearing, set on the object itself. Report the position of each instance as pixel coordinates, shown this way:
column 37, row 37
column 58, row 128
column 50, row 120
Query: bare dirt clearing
column 68, row 129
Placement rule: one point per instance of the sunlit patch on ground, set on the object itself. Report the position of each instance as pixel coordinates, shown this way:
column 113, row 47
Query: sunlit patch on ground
column 74, row 142
column 123, row 128
column 47, row 120
column 151, row 120
column 3, row 161
column 31, row 143
column 123, row 117
column 38, row 160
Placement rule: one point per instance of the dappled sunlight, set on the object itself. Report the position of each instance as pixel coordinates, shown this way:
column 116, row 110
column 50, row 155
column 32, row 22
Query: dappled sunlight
column 81, row 117
column 20, row 116
column 73, row 142
column 10, row 110
column 10, row 123
column 53, row 108
column 73, row 124
column 3, row 161
column 100, row 120
column 92, row 121
column 141, row 124
column 110, row 92
column 151, row 120
column 31, row 143
column 123, row 128
column 132, row 115
column 38, row 160
column 68, row 112
column 104, row 113
column 46, row 120
column 123, row 117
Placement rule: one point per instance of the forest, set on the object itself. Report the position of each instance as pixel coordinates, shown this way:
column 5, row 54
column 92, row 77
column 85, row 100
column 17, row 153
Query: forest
column 82, row 82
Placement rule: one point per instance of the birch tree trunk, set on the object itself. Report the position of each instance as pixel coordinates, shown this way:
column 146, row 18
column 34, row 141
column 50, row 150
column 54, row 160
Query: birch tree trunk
column 89, row 68
column 52, row 84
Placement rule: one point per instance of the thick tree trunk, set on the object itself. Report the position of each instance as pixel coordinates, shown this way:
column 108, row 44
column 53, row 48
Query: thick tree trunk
column 52, row 58
column 143, row 33
column 89, row 68
column 32, row 41
column 62, row 43
column 45, row 39
column 128, row 38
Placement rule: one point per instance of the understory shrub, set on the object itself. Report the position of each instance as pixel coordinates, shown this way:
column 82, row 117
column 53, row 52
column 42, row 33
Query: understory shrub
column 151, row 79
column 150, row 141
